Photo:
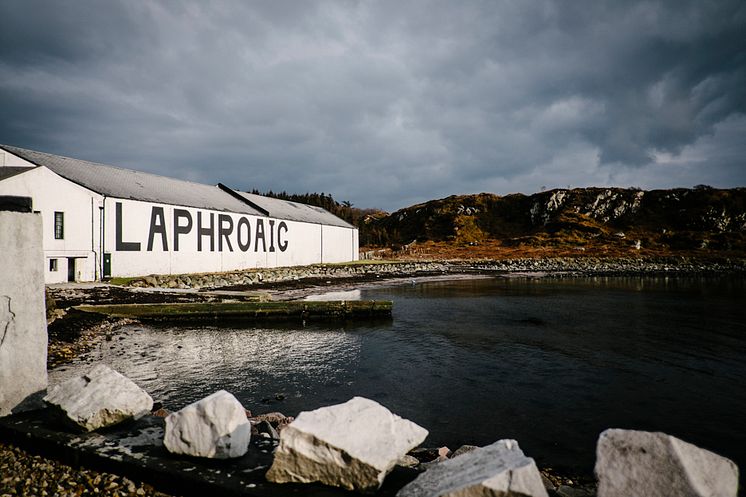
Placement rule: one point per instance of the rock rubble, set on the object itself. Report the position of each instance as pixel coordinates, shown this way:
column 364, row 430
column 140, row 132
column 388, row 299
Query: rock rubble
column 354, row 446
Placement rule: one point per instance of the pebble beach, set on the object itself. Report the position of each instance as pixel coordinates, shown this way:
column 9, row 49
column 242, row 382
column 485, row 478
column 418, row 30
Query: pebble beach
column 26, row 474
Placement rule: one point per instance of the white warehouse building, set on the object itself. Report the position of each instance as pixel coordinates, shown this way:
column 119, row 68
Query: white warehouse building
column 102, row 221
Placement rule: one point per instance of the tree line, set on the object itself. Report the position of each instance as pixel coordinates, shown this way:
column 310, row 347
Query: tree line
column 362, row 219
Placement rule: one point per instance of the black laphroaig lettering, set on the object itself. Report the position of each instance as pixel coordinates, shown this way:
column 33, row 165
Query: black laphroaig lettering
column 282, row 243
column 225, row 228
column 181, row 229
column 259, row 235
column 209, row 231
column 157, row 225
column 271, row 235
column 120, row 244
column 244, row 246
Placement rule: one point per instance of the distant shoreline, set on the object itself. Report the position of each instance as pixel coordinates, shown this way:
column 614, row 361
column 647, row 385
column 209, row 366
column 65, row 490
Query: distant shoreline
column 322, row 275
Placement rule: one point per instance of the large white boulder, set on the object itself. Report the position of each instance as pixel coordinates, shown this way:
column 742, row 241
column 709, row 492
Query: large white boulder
column 352, row 445
column 214, row 427
column 500, row 469
column 100, row 398
column 641, row 463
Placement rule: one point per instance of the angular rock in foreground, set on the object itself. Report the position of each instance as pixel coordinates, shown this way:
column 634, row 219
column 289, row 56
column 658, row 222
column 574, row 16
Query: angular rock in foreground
column 100, row 398
column 656, row 465
column 498, row 469
column 214, row 427
column 352, row 445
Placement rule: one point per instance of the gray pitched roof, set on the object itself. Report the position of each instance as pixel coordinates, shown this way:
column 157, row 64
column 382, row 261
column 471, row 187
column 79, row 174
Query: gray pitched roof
column 294, row 211
column 135, row 185
column 8, row 171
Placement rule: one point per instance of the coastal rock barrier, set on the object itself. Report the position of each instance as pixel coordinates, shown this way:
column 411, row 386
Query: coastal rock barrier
column 396, row 269
column 255, row 277
column 357, row 444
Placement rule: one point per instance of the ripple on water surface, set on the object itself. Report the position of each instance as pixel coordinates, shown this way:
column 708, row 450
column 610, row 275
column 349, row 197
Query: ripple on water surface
column 181, row 365
column 548, row 362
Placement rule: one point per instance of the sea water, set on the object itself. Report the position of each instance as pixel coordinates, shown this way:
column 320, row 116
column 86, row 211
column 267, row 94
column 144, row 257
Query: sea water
column 548, row 362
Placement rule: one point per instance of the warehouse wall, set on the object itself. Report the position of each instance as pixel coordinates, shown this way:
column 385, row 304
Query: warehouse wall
column 8, row 159
column 146, row 240
column 339, row 244
column 51, row 193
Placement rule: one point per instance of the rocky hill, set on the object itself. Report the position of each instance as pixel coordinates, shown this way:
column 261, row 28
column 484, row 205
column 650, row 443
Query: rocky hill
column 698, row 219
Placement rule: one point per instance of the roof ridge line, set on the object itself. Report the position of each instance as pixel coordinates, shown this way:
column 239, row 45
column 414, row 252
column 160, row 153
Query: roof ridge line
column 121, row 168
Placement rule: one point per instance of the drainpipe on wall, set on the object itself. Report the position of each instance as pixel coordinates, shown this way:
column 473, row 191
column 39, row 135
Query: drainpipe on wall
column 93, row 247
column 102, row 233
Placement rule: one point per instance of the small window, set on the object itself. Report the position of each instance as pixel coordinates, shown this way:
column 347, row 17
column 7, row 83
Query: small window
column 53, row 264
column 59, row 225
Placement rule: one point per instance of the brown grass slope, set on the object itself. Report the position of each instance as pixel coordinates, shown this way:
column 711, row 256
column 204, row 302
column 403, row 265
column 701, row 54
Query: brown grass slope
column 699, row 219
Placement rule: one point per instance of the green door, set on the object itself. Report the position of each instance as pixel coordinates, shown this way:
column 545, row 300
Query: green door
column 107, row 265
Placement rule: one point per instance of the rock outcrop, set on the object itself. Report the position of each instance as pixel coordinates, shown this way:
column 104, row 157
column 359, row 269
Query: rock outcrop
column 214, row 427
column 676, row 219
column 352, row 445
column 497, row 469
column 100, row 398
column 656, row 465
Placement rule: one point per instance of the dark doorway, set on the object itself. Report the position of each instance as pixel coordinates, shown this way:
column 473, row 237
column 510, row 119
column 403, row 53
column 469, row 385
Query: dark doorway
column 70, row 269
column 107, row 265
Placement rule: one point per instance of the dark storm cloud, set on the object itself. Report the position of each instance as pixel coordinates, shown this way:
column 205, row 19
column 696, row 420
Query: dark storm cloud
column 384, row 104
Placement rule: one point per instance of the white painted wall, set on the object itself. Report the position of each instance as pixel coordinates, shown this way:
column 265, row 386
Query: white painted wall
column 339, row 244
column 302, row 242
column 51, row 193
column 8, row 159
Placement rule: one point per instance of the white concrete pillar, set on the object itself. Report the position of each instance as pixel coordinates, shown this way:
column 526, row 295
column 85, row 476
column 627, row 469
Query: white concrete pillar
column 23, row 323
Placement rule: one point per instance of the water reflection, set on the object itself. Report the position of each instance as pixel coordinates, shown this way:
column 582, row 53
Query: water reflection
column 181, row 365
column 342, row 295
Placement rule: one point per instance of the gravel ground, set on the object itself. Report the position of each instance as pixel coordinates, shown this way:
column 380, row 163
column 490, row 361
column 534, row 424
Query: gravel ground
column 22, row 473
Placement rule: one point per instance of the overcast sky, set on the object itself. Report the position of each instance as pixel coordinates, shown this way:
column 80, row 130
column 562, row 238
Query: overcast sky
column 384, row 104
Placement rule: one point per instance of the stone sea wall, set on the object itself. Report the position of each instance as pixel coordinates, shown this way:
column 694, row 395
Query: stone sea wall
column 378, row 270
column 288, row 274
